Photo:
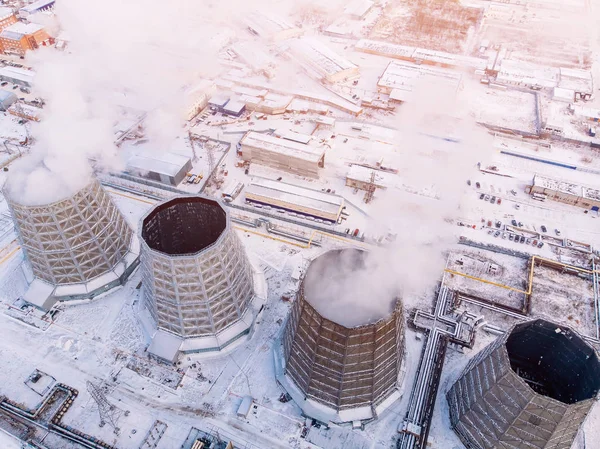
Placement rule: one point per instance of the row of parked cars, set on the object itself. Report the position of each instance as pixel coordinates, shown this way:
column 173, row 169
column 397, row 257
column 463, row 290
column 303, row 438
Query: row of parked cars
column 517, row 238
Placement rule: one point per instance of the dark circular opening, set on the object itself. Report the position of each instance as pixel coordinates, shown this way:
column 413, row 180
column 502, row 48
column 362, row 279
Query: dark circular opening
column 554, row 361
column 184, row 225
column 347, row 287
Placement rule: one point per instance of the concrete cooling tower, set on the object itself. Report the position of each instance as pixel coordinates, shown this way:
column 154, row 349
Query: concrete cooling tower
column 198, row 281
column 341, row 352
column 531, row 388
column 75, row 248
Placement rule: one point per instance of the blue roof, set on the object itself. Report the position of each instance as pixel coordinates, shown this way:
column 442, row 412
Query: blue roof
column 5, row 95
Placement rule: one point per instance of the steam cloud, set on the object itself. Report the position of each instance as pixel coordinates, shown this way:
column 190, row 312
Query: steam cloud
column 140, row 54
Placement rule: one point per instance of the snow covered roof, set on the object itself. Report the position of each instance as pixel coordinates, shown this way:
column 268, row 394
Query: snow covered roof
column 358, row 8
column 283, row 146
column 165, row 346
column 17, row 73
column 365, row 174
column 167, row 163
column 321, row 57
column 292, row 194
column 406, row 76
column 293, row 136
column 39, row 293
column 566, row 187
column 578, row 80
column 5, row 12
column 234, row 107
column 17, row 30
column 35, row 6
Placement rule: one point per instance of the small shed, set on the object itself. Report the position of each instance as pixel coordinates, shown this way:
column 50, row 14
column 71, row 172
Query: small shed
column 245, row 407
column 6, row 99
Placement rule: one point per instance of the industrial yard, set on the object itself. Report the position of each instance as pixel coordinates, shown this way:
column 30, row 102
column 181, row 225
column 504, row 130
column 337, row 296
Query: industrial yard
column 360, row 225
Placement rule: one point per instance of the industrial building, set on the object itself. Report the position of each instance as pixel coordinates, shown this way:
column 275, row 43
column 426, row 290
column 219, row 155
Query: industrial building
column 406, row 77
column 579, row 81
column 366, row 178
column 566, row 192
column 75, row 248
column 283, row 154
column 531, row 388
column 337, row 370
column 326, row 63
column 358, row 9
column 234, row 108
column 420, row 55
column 7, row 17
column 35, row 7
column 197, row 279
column 19, row 37
column 307, row 203
column 16, row 75
column 7, row 98
column 166, row 168
column 271, row 26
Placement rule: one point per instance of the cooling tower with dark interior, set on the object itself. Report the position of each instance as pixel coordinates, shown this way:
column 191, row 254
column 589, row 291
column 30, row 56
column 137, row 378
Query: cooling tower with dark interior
column 531, row 388
column 76, row 248
column 340, row 357
column 198, row 283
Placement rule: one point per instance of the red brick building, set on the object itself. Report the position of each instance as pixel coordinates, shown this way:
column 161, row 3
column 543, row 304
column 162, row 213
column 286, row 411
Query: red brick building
column 19, row 37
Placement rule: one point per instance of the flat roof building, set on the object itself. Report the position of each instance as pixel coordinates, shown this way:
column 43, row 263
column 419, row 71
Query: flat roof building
column 283, row 154
column 20, row 37
column 404, row 76
column 271, row 26
column 16, row 75
column 234, row 108
column 567, row 192
column 7, row 17
column 35, row 7
column 292, row 198
column 329, row 65
column 580, row 81
column 358, row 9
column 7, row 98
column 166, row 168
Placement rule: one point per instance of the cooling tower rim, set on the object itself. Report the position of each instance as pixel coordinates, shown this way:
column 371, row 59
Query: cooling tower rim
column 396, row 302
column 153, row 209
column 15, row 202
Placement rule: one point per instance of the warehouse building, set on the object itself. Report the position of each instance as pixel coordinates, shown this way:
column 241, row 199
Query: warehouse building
column 199, row 285
column 234, row 108
column 566, row 192
column 532, row 388
column 406, row 77
column 579, row 81
column 20, row 37
column 329, row 65
column 18, row 76
column 283, row 154
column 340, row 366
column 75, row 248
column 299, row 200
column 166, row 168
column 271, row 26
column 35, row 7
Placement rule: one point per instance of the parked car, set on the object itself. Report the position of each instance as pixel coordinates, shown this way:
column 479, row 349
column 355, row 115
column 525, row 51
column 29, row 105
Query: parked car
column 535, row 242
column 496, row 234
column 517, row 206
column 477, row 185
column 498, row 224
column 544, row 229
column 522, row 239
column 527, row 241
column 513, row 222
column 511, row 236
column 557, row 232
column 540, row 244
column 520, row 224
column 504, row 235
column 493, row 200
column 487, row 198
column 482, row 196
column 499, row 201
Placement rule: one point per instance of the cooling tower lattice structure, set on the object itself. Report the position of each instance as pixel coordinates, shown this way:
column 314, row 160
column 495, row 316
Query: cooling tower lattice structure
column 198, row 281
column 75, row 248
column 532, row 388
column 339, row 359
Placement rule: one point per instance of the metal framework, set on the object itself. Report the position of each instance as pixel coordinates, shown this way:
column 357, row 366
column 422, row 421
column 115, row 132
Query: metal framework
column 197, row 278
column 530, row 389
column 338, row 366
column 75, row 240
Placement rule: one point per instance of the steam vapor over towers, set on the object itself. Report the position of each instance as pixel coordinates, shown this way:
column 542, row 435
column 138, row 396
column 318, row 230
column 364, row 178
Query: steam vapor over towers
column 198, row 281
column 337, row 370
column 531, row 388
column 75, row 248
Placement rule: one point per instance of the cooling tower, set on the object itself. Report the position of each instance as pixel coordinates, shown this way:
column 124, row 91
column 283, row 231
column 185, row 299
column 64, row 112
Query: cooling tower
column 76, row 248
column 341, row 358
column 198, row 281
column 531, row 388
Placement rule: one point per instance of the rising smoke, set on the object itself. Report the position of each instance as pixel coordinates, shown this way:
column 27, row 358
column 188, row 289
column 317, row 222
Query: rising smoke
column 138, row 54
